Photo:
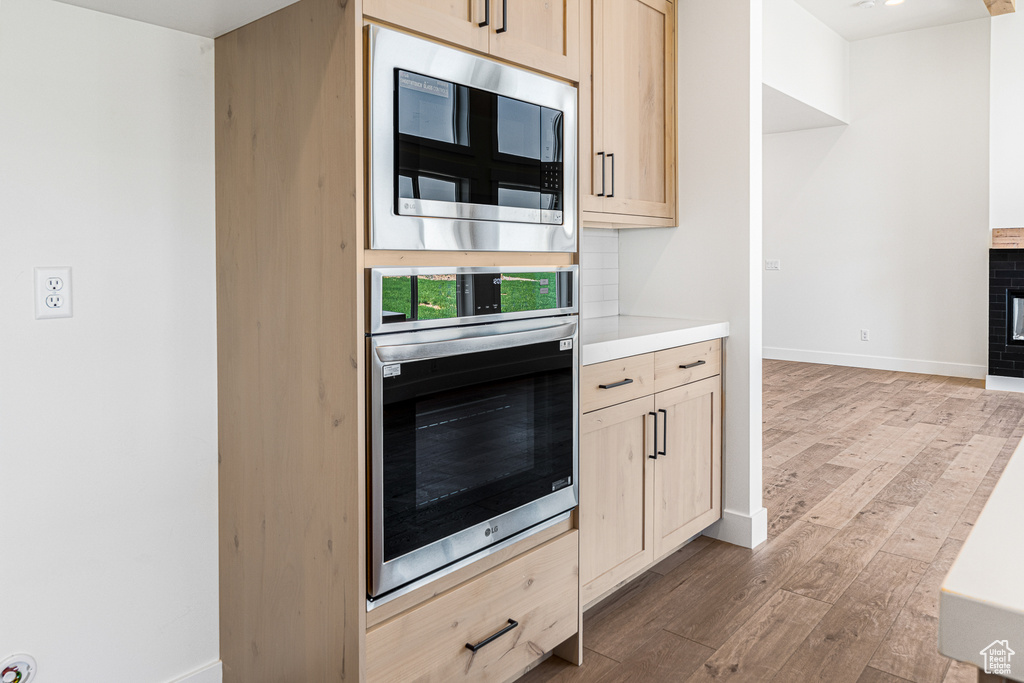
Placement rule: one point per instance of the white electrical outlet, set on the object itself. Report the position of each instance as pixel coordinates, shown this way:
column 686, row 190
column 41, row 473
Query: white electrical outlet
column 865, row 335
column 53, row 292
column 18, row 669
column 772, row 264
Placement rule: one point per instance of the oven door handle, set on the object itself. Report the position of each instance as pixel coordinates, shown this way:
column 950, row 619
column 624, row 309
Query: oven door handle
column 399, row 353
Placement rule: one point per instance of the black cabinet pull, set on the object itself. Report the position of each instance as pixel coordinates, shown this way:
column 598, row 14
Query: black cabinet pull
column 504, row 17
column 601, row 193
column 617, row 384
column 612, row 193
column 693, row 365
column 655, row 456
column 487, row 14
column 512, row 623
column 664, row 433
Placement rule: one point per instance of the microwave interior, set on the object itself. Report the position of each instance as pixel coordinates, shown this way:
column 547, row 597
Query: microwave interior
column 457, row 144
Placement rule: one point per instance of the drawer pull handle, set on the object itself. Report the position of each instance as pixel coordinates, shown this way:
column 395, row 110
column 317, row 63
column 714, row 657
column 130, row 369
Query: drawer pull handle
column 616, row 384
column 512, row 623
column 693, row 365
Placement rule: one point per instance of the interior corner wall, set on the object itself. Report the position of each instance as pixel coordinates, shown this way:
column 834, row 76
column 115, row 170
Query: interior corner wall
column 108, row 419
column 1006, row 133
column 805, row 59
column 883, row 224
column 708, row 267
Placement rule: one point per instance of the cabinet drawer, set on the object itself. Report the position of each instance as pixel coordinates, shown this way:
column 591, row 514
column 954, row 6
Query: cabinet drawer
column 624, row 379
column 700, row 360
column 538, row 590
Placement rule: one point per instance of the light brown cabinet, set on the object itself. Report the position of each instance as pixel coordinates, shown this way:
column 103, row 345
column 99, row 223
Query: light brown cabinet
column 650, row 467
column 531, row 600
column 628, row 114
column 290, row 183
column 688, row 477
column 538, row 34
column 616, row 501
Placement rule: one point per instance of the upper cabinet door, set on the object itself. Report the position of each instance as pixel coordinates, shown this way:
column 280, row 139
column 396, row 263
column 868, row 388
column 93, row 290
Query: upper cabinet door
column 540, row 34
column 631, row 166
column 638, row 71
column 455, row 21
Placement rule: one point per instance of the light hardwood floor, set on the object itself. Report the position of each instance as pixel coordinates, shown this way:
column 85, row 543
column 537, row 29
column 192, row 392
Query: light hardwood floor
column 872, row 481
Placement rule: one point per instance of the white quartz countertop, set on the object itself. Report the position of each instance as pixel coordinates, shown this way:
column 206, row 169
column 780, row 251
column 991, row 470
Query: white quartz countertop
column 982, row 598
column 619, row 336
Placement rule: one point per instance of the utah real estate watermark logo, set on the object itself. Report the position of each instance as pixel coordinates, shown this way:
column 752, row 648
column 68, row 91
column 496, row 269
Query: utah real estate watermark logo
column 997, row 658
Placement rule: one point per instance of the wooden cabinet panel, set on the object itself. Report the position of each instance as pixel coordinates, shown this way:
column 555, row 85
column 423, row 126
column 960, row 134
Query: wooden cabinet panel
column 685, row 364
column 623, row 380
column 616, row 478
column 688, row 476
column 541, row 34
column 539, row 590
column 635, row 509
column 628, row 117
column 456, row 21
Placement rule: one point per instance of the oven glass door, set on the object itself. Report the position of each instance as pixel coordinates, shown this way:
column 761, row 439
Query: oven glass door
column 469, row 439
column 463, row 152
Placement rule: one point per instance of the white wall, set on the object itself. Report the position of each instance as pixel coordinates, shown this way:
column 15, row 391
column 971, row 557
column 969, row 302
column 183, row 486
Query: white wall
column 1007, row 133
column 805, row 59
column 708, row 267
column 883, row 224
column 108, row 420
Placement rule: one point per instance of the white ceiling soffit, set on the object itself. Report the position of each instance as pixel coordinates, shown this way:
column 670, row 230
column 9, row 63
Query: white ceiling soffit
column 853, row 22
column 210, row 18
column 783, row 114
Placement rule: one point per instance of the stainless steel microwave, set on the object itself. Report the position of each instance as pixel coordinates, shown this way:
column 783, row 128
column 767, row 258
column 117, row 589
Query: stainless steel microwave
column 467, row 154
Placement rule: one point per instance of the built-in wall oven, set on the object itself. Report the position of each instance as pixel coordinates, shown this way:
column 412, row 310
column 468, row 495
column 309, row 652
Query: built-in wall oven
column 474, row 415
column 467, row 153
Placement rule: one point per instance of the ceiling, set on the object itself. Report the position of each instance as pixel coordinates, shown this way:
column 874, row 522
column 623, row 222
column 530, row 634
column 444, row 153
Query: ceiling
column 210, row 18
column 853, row 22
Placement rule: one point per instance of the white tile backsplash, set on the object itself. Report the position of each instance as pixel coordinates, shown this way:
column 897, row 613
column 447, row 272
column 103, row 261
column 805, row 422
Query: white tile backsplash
column 599, row 273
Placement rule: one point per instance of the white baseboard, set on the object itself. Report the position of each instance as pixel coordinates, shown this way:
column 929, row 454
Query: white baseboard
column 927, row 367
column 748, row 531
column 212, row 673
column 997, row 383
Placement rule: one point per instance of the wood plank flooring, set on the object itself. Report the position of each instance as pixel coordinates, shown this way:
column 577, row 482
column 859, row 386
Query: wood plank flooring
column 872, row 481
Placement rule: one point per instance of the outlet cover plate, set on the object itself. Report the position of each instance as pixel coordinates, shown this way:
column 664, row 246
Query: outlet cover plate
column 53, row 292
column 18, row 667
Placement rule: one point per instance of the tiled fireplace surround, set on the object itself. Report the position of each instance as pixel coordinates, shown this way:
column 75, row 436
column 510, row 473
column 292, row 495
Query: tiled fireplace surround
column 1006, row 277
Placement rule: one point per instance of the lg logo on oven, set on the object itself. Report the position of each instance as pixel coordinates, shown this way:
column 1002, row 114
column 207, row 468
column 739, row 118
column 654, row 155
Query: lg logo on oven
column 491, row 530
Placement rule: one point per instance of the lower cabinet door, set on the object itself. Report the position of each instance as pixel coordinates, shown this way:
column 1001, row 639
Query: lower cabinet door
column 688, row 469
column 616, row 477
column 509, row 616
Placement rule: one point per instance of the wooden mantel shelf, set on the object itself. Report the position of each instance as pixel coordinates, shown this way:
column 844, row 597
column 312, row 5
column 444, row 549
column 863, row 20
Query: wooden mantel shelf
column 1008, row 238
column 997, row 7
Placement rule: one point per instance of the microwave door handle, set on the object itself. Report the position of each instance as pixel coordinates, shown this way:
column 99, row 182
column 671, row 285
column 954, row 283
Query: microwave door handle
column 400, row 353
